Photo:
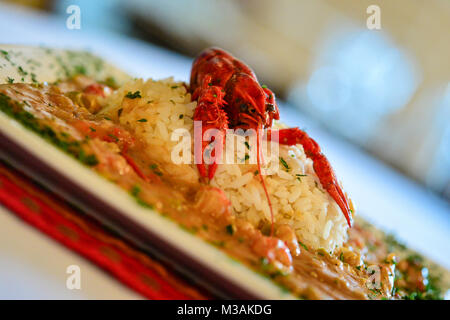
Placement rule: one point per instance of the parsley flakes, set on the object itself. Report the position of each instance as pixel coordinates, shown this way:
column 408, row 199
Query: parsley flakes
column 284, row 163
column 133, row 95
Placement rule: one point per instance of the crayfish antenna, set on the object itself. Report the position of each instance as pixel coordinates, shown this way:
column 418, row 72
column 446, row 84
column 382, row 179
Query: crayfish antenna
column 212, row 170
column 263, row 183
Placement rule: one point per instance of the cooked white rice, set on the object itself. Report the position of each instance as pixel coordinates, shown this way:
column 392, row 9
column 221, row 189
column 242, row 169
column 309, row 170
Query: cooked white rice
column 297, row 200
column 166, row 106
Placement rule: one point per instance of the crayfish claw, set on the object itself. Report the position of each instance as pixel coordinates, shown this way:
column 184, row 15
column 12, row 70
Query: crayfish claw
column 336, row 193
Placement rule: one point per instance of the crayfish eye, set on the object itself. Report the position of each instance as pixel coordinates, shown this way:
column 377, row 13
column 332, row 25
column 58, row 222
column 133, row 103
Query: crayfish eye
column 244, row 107
column 270, row 107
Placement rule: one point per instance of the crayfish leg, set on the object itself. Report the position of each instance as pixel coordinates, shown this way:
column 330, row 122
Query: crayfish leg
column 212, row 170
column 211, row 114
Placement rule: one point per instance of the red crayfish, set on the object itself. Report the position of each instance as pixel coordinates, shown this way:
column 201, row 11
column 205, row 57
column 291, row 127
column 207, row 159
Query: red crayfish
column 228, row 95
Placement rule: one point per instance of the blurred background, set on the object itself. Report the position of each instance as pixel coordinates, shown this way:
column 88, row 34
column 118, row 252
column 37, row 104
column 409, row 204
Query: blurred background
column 386, row 90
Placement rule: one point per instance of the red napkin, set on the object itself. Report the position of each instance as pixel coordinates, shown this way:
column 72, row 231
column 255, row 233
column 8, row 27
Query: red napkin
column 71, row 228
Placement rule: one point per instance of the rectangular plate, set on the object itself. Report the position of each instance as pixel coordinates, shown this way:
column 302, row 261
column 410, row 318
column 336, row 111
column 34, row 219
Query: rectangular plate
column 113, row 206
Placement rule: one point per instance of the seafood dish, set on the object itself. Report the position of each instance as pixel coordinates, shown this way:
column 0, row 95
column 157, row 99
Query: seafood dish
column 213, row 158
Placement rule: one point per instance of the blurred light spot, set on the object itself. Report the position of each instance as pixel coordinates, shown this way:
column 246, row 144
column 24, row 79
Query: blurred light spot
column 445, row 115
column 357, row 78
column 329, row 89
column 445, row 146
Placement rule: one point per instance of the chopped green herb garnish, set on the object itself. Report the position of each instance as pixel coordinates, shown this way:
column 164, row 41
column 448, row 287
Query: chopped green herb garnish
column 154, row 167
column 90, row 160
column 415, row 258
column 303, row 245
column 230, row 229
column 192, row 230
column 80, row 69
column 133, row 95
column 113, row 136
column 142, row 120
column 21, row 71
column 219, row 244
column 144, row 204
column 135, row 190
column 283, row 162
column 33, row 77
column 111, row 82
column 181, row 116
column 393, row 243
column 317, row 186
